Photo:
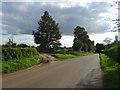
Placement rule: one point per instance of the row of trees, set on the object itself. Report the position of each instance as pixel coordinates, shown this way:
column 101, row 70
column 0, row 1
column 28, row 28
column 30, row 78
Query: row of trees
column 48, row 35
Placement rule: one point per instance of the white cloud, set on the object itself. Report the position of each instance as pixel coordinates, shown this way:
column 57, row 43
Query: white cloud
column 67, row 40
column 98, row 38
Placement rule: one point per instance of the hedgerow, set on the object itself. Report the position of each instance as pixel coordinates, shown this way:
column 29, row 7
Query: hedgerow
column 14, row 59
column 17, row 53
column 114, row 52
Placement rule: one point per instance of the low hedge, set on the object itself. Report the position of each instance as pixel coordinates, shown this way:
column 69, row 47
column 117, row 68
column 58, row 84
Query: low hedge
column 17, row 53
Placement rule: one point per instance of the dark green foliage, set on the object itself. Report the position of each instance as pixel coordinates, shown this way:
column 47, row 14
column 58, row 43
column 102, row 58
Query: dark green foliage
column 45, row 50
column 118, row 55
column 9, row 53
column 81, row 35
column 77, row 45
column 22, row 45
column 85, row 47
column 99, row 48
column 114, row 51
column 48, row 34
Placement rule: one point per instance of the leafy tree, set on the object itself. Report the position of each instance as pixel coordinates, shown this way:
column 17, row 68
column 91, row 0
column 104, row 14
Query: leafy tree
column 99, row 47
column 85, row 47
column 91, row 46
column 48, row 33
column 81, row 35
column 77, row 45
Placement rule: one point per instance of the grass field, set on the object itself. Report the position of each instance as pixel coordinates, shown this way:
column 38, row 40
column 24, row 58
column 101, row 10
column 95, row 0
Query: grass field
column 111, row 70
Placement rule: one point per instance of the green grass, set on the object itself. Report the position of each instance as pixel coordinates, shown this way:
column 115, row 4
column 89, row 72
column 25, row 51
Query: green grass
column 72, row 55
column 85, row 54
column 14, row 65
column 111, row 72
column 64, row 56
column 80, row 53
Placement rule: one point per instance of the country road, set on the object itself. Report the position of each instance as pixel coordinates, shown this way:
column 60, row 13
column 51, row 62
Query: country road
column 80, row 72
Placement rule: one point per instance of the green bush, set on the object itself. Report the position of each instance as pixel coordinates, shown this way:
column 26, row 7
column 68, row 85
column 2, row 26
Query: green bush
column 114, row 51
column 17, row 53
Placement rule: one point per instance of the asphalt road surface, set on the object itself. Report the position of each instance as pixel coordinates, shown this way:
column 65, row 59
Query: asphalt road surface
column 80, row 72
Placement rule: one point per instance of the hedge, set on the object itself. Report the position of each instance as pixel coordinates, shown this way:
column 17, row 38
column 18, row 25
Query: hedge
column 114, row 52
column 14, row 59
column 17, row 53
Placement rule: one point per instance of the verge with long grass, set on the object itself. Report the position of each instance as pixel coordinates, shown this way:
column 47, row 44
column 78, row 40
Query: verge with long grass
column 72, row 55
column 111, row 70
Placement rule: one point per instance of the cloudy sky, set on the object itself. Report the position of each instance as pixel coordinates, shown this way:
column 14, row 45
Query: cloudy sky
column 20, row 19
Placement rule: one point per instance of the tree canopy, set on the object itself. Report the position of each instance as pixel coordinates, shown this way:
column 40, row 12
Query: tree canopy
column 82, row 36
column 48, row 33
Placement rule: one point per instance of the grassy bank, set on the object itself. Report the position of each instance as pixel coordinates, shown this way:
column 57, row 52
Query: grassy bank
column 14, row 59
column 14, row 65
column 111, row 70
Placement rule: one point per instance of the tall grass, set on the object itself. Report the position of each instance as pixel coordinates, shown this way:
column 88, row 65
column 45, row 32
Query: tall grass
column 111, row 70
column 14, row 65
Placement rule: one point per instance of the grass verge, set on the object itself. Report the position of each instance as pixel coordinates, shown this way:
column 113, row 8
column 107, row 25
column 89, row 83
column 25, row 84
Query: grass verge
column 64, row 56
column 73, row 55
column 111, row 72
column 14, row 65
column 85, row 54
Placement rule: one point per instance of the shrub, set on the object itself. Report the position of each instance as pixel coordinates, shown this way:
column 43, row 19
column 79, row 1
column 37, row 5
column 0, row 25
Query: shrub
column 17, row 53
column 114, row 52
